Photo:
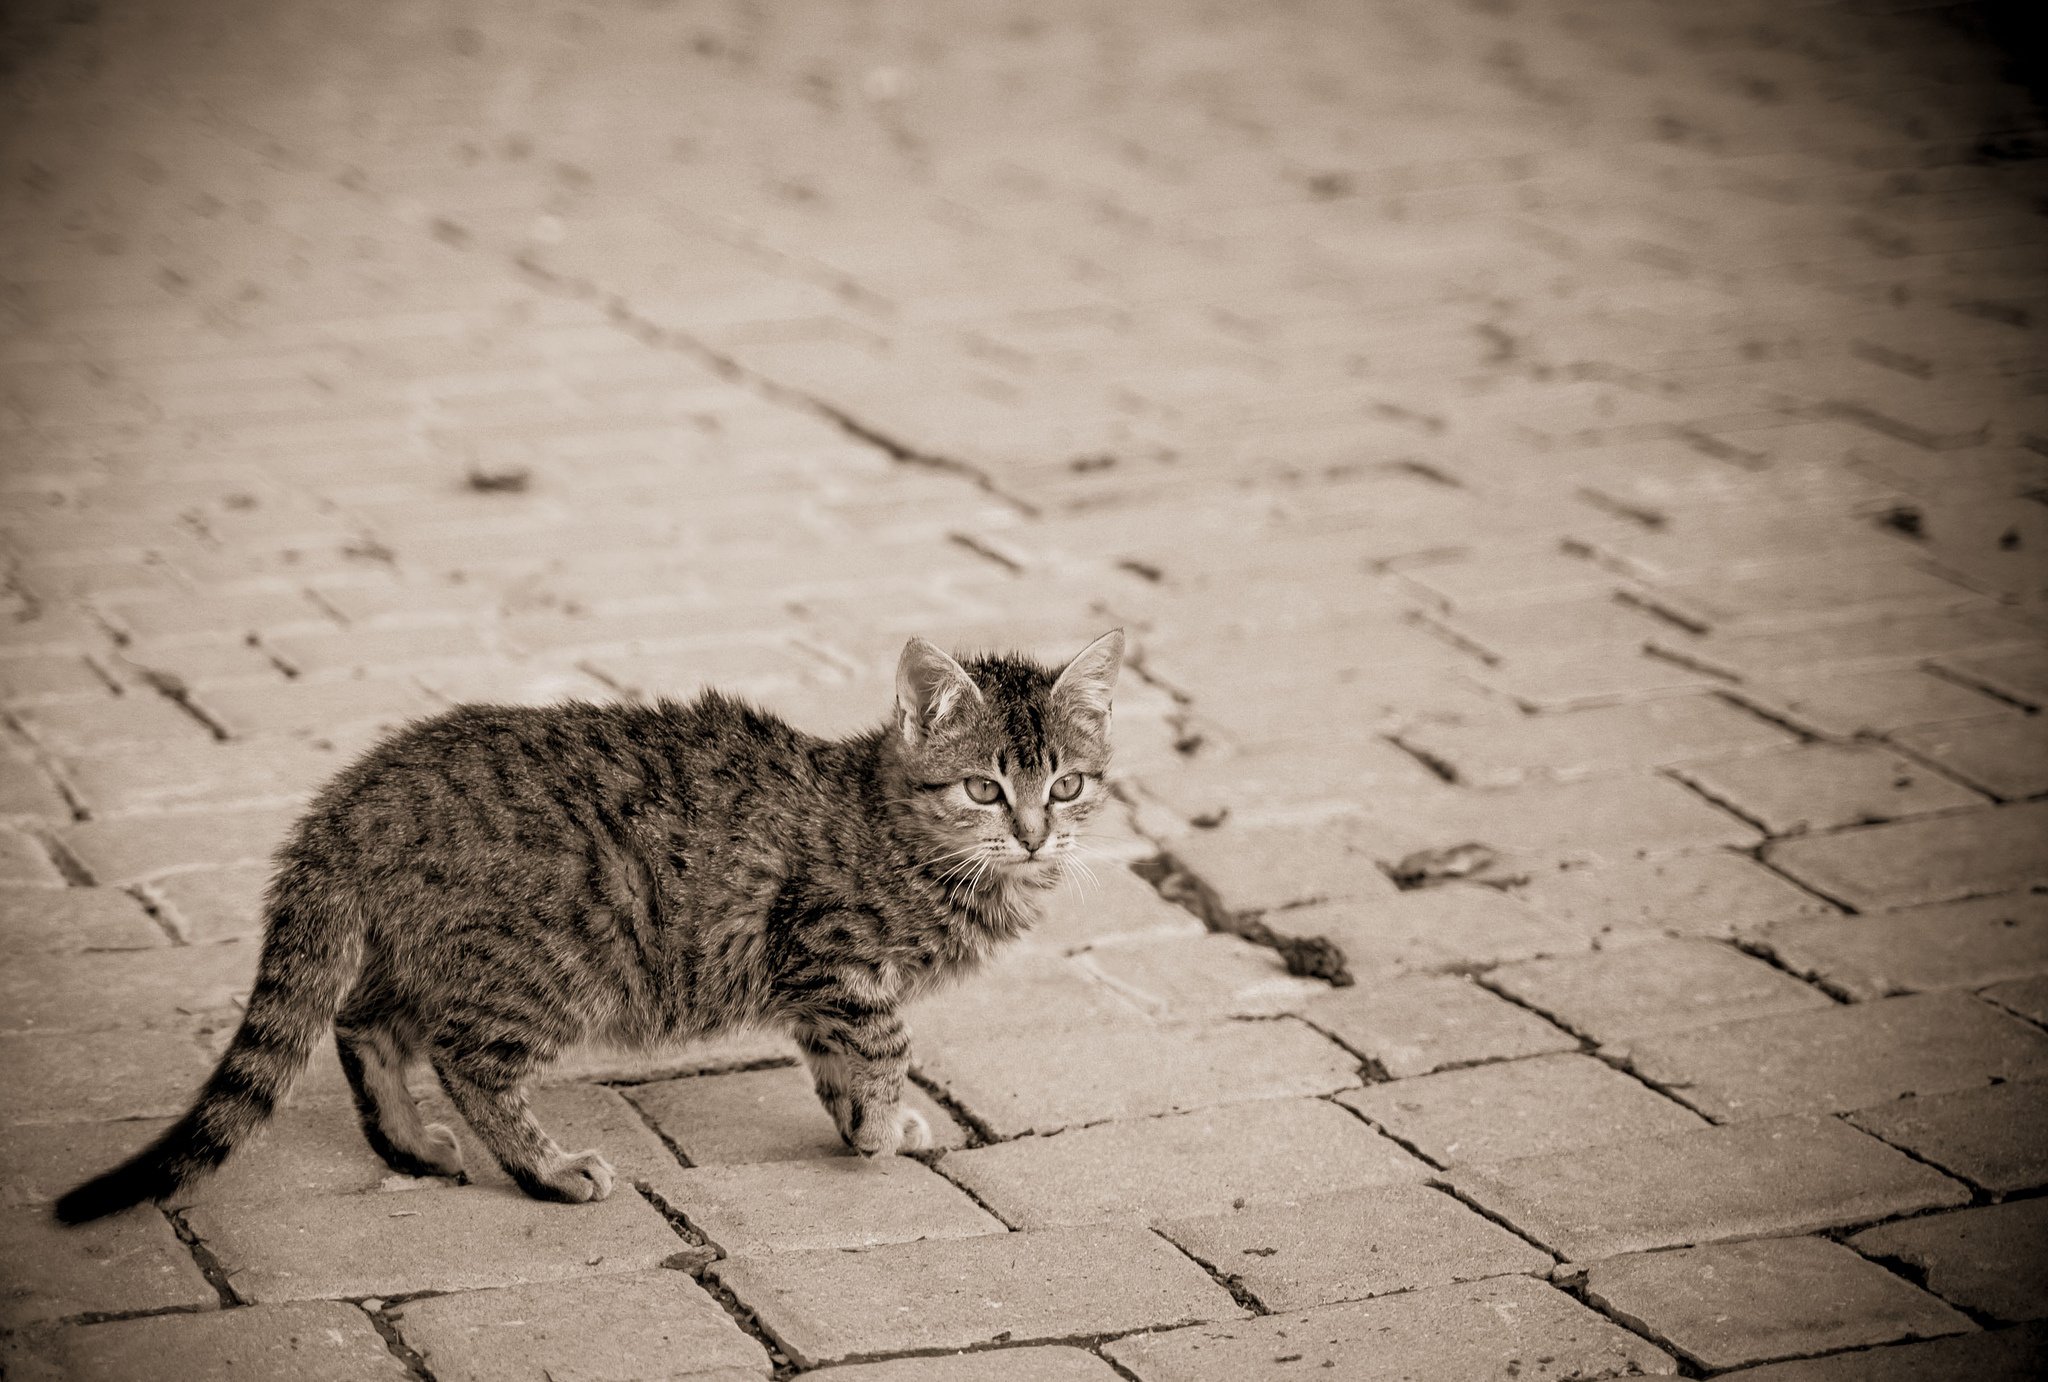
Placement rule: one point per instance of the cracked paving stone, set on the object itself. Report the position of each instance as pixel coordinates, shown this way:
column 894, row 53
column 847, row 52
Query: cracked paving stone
column 128, row 1262
column 1017, row 1084
column 1056, row 1363
column 948, row 1294
column 1180, row 1165
column 838, row 1202
column 1840, row 1058
column 1512, row 1327
column 1948, row 945
column 1992, row 1260
column 1996, row 1138
column 2008, row 1355
column 1424, row 1022
column 612, row 1326
column 1349, row 1246
column 1519, row 1108
column 444, row 1238
column 1734, row 1303
column 302, row 1341
column 1658, row 986
column 1785, row 1175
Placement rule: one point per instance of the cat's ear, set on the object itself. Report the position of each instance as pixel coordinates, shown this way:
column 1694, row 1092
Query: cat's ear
column 929, row 687
column 1085, row 683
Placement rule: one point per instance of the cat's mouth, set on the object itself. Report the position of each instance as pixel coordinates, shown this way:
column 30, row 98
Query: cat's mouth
column 1032, row 866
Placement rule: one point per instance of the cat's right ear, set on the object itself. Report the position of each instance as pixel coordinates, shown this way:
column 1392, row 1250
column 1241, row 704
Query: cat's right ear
column 929, row 687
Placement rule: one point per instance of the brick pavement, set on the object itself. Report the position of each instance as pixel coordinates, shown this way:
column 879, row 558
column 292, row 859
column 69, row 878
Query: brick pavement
column 1572, row 474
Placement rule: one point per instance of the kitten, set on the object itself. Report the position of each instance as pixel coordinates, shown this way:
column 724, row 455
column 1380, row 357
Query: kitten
column 487, row 887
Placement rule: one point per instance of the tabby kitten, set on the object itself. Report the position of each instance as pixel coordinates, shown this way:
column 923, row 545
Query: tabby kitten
column 487, row 887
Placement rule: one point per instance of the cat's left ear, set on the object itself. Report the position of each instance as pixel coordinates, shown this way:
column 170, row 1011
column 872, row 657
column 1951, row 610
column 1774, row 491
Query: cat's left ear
column 1084, row 683
column 929, row 687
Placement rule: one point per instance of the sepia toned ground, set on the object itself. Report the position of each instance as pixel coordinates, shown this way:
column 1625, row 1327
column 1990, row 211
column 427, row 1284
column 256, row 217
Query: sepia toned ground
column 1573, row 474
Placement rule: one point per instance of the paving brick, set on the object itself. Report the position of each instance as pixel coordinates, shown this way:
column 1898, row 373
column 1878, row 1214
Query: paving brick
column 130, row 988
column 117, row 852
column 838, row 1202
column 1052, row 1364
column 1932, row 860
column 1949, row 945
column 304, row 1341
column 1822, row 786
column 312, row 709
column 1203, row 976
column 1424, row 1022
column 2027, row 997
column 26, row 790
column 599, row 1326
column 1181, row 1165
column 1020, row 991
column 2006, row 757
column 1604, row 739
column 1989, row 1261
column 359, row 651
column 1255, row 868
column 761, row 1115
column 1279, row 786
column 69, row 920
column 1996, row 1138
column 201, row 776
column 2021, row 674
column 1015, row 1287
column 1859, row 647
column 1017, row 1084
column 131, row 1262
column 1657, row 986
column 24, row 861
column 221, row 617
column 1510, row 1328
column 51, row 676
column 1714, row 893
column 212, row 904
column 441, row 1239
column 1786, row 1175
column 1440, row 927
column 1733, row 1303
column 1799, row 593
column 2008, row 1355
column 88, row 726
column 1841, row 1058
column 64, row 1077
column 1115, row 905
column 1872, row 702
column 1348, row 1246
column 1612, row 819
column 1518, row 1109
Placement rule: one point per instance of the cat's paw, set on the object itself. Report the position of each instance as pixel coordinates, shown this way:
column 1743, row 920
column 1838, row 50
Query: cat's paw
column 577, row 1179
column 440, row 1150
column 902, row 1130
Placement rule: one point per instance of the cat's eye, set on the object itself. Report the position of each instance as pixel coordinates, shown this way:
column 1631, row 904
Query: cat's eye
column 1066, row 788
column 983, row 790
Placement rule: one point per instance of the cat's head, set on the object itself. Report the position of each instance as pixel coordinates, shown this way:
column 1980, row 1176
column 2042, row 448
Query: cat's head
column 1003, row 758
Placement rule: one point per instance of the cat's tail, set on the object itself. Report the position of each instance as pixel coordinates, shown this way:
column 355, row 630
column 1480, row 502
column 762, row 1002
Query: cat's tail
column 312, row 949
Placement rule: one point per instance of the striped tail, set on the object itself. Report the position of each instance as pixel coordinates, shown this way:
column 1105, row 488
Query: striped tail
column 311, row 953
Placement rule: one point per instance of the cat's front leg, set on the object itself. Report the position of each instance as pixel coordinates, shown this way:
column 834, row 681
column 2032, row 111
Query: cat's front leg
column 858, row 1057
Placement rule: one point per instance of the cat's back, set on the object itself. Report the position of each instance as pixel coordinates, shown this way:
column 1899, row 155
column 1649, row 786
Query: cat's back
column 485, row 769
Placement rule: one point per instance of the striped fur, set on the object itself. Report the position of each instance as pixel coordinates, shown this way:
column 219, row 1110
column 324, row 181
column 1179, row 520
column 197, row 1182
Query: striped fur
column 493, row 885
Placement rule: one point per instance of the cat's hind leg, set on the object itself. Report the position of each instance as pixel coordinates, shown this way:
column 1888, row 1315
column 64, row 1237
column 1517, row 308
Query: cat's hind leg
column 858, row 1064
column 490, row 1091
column 376, row 1048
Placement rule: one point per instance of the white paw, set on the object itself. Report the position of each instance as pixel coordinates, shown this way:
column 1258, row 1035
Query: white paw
column 904, row 1130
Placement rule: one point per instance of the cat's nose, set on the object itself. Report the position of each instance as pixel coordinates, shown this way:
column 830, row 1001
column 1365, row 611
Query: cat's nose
column 1031, row 834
